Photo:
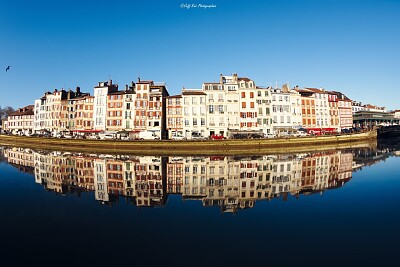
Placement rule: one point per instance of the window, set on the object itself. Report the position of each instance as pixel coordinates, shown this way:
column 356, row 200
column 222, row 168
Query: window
column 243, row 104
column 211, row 109
column 251, row 94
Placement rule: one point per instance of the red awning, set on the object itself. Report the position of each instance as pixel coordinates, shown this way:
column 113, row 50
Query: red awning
column 87, row 131
column 321, row 129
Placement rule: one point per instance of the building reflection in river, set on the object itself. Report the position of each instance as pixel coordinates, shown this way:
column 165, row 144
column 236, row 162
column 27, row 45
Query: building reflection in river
column 232, row 183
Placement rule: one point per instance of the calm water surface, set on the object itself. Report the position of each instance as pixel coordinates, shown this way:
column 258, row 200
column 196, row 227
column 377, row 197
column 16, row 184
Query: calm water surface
column 318, row 209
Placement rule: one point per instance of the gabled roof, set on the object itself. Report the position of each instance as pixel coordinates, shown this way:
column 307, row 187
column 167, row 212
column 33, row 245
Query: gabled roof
column 244, row 79
column 340, row 95
column 193, row 93
column 28, row 110
column 174, row 96
column 316, row 90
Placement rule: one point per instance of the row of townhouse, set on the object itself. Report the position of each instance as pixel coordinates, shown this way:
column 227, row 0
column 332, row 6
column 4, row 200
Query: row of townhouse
column 232, row 105
column 229, row 182
column 20, row 121
column 237, row 105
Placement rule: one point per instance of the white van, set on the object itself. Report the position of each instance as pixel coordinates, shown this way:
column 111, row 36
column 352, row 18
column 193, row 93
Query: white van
column 147, row 135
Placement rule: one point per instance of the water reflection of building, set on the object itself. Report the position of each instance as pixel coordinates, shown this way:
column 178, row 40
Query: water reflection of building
column 149, row 185
column 20, row 158
column 230, row 183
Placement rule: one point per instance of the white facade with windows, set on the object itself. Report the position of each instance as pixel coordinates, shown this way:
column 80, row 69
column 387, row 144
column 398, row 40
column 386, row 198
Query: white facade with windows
column 194, row 113
column 128, row 108
column 322, row 115
column 100, row 105
column 216, row 106
column 285, row 110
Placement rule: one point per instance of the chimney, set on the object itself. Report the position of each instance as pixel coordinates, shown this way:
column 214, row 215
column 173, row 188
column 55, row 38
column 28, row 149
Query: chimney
column 221, row 79
column 138, row 79
column 78, row 90
column 285, row 88
column 110, row 82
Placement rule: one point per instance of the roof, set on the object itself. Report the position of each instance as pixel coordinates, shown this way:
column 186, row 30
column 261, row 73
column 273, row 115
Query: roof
column 28, row 110
column 143, row 82
column 341, row 95
column 317, row 90
column 244, row 79
column 193, row 93
column 174, row 96
column 304, row 91
column 116, row 93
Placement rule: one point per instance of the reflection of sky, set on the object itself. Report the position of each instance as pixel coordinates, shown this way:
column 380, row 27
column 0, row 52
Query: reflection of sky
column 348, row 46
column 356, row 224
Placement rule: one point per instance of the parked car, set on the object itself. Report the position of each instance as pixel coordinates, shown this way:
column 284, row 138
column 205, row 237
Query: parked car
column 178, row 137
column 106, row 136
column 239, row 136
column 125, row 137
column 284, row 134
column 68, row 135
column 217, row 137
column 45, row 134
column 198, row 136
column 301, row 134
column 93, row 136
column 270, row 135
column 255, row 136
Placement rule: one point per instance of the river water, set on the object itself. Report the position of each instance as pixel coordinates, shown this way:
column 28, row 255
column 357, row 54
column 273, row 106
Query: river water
column 328, row 208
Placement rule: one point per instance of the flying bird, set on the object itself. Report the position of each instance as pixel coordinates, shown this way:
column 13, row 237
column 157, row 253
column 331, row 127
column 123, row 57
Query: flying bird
column 8, row 68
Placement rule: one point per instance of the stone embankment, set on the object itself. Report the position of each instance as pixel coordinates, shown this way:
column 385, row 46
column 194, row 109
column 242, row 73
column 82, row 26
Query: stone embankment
column 209, row 147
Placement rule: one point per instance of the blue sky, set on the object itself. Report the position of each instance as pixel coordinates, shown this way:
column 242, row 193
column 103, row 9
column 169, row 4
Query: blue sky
column 344, row 45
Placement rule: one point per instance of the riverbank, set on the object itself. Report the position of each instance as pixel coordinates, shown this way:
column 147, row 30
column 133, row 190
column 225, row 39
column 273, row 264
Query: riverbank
column 209, row 147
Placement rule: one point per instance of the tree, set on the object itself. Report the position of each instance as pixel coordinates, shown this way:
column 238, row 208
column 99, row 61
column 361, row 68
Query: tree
column 4, row 112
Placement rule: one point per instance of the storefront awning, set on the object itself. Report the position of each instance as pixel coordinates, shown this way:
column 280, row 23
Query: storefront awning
column 87, row 131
